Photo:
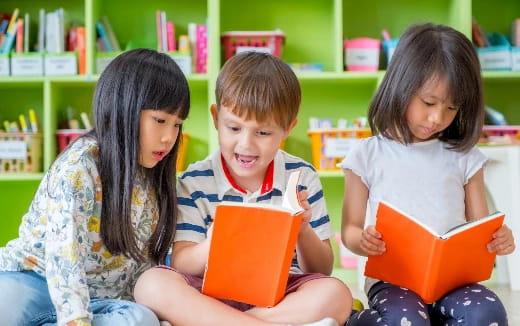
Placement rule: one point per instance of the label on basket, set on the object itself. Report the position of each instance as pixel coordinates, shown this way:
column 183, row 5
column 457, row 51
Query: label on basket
column 13, row 149
column 339, row 147
column 254, row 49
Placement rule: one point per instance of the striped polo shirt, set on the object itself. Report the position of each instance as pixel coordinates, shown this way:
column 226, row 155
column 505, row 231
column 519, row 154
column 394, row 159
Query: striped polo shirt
column 205, row 184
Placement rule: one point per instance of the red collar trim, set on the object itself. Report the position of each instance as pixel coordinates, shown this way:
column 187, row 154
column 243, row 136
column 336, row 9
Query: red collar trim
column 267, row 184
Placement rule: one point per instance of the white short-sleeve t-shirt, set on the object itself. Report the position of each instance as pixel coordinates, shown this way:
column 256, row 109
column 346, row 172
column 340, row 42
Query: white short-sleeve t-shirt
column 424, row 179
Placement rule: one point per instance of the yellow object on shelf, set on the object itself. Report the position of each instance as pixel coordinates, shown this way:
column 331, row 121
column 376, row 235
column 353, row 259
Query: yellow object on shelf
column 329, row 146
column 181, row 155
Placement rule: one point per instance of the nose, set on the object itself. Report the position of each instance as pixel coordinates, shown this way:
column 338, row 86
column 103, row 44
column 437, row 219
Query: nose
column 169, row 136
column 245, row 140
column 435, row 116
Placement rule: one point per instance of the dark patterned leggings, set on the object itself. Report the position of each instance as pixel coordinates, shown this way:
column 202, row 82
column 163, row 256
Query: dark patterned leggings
column 470, row 305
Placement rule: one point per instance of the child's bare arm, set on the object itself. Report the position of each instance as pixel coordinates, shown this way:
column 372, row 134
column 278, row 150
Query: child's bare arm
column 359, row 240
column 314, row 255
column 190, row 257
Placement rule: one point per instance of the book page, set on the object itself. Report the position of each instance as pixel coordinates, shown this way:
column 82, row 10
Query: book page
column 290, row 202
column 464, row 226
column 290, row 198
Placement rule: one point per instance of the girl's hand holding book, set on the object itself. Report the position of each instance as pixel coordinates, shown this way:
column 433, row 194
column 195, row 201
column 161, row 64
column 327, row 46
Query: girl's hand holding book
column 371, row 242
column 503, row 242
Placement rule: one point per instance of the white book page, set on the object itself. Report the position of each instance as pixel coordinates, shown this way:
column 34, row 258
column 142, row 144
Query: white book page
column 290, row 198
column 469, row 224
column 290, row 202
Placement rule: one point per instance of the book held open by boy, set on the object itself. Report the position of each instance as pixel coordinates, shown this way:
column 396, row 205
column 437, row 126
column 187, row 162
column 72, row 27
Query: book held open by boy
column 431, row 264
column 252, row 247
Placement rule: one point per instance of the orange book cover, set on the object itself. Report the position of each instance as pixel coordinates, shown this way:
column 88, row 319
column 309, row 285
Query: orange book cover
column 251, row 249
column 427, row 263
column 81, row 48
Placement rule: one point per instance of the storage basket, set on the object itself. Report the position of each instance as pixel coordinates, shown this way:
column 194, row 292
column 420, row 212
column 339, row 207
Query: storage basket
column 362, row 54
column 492, row 131
column 329, row 146
column 66, row 136
column 262, row 41
column 20, row 152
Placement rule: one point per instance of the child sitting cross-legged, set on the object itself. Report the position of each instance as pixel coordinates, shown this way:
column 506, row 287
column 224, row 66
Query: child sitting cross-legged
column 258, row 97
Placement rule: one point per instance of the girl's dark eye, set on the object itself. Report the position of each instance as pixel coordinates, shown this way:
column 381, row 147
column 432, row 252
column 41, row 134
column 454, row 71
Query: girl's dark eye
column 158, row 120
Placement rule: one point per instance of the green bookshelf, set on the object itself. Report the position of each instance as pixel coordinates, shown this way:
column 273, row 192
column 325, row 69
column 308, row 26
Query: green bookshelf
column 314, row 32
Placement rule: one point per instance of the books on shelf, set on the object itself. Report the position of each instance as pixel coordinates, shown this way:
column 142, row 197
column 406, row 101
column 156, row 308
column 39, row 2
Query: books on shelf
column 252, row 248
column 114, row 43
column 428, row 263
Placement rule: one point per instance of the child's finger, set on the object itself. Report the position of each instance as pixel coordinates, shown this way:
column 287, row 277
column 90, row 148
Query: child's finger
column 371, row 242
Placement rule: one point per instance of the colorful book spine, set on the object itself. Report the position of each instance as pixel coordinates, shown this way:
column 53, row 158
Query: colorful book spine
column 11, row 32
column 9, row 39
column 164, row 41
column 103, row 36
column 170, row 33
column 26, row 33
column 81, row 42
column 110, row 33
column 158, row 24
column 201, row 45
column 19, row 35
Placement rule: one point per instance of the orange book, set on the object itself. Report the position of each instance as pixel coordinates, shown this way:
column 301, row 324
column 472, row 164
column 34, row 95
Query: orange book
column 428, row 263
column 81, row 48
column 252, row 248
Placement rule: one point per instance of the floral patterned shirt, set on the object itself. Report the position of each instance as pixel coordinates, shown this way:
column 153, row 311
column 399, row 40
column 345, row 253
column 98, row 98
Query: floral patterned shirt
column 59, row 237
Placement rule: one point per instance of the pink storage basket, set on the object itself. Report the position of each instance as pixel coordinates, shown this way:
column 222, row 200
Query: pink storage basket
column 362, row 54
column 266, row 41
column 66, row 136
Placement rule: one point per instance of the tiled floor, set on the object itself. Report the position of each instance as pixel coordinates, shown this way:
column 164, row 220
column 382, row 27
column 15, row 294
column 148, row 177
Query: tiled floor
column 511, row 299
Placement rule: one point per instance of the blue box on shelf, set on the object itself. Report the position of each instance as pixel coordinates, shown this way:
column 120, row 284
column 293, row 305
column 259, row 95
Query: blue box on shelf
column 515, row 58
column 496, row 57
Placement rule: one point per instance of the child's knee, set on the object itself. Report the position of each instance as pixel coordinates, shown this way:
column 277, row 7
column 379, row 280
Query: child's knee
column 150, row 285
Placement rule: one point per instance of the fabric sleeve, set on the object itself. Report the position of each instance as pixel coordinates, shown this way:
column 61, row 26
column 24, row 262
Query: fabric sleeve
column 71, row 196
column 475, row 161
column 356, row 160
column 191, row 223
column 320, row 220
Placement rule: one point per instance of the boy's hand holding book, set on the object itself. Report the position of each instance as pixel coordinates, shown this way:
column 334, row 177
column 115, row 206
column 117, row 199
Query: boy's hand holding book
column 307, row 211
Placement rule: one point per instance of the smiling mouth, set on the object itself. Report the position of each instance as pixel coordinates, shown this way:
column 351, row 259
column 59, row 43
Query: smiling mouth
column 246, row 160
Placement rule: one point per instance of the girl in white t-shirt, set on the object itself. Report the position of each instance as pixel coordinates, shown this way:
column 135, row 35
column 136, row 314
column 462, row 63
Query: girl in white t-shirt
column 426, row 116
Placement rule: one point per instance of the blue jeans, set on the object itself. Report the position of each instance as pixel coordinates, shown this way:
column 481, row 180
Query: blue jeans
column 25, row 300
column 471, row 305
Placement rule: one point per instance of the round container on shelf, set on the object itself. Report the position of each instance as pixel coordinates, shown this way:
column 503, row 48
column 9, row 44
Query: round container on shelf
column 362, row 54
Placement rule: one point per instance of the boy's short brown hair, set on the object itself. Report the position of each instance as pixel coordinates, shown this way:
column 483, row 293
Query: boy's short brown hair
column 259, row 86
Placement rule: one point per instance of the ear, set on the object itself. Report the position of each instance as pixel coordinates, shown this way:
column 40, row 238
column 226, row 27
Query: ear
column 291, row 127
column 214, row 114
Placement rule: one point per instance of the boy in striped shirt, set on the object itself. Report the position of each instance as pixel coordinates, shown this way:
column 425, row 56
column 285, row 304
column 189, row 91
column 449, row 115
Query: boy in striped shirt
column 258, row 98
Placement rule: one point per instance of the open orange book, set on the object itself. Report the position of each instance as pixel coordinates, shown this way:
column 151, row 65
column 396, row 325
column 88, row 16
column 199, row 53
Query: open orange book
column 252, row 247
column 428, row 263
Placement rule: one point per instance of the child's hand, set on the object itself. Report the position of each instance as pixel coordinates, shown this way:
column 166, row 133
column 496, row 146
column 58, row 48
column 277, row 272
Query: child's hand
column 307, row 213
column 503, row 242
column 371, row 242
